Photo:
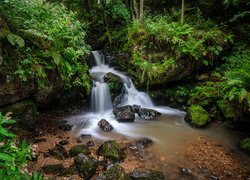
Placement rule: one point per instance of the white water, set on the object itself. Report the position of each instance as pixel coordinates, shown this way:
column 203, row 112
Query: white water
column 102, row 106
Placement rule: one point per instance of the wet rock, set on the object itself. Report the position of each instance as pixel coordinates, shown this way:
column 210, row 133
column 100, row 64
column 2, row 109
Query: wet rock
column 105, row 125
column 113, row 172
column 78, row 140
column 69, row 171
column 24, row 112
column 111, row 151
column 90, row 144
column 124, row 114
column 86, row 165
column 185, row 171
column 118, row 101
column 58, row 152
column 75, row 150
column 64, row 126
column 146, row 174
column 214, row 177
column 140, row 144
column 148, row 114
column 85, row 135
column 53, row 169
column 136, row 108
column 64, row 142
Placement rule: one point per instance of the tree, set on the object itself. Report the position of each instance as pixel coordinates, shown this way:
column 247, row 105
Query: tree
column 182, row 11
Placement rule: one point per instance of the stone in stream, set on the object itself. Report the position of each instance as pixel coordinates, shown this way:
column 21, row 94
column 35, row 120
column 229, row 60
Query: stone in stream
column 124, row 114
column 148, row 114
column 115, row 172
column 105, row 125
column 90, row 144
column 146, row 174
column 136, row 108
column 64, row 142
column 111, row 151
column 140, row 144
column 64, row 126
column 86, row 165
column 75, row 150
column 58, row 152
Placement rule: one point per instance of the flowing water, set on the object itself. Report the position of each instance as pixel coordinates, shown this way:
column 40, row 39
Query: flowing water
column 169, row 131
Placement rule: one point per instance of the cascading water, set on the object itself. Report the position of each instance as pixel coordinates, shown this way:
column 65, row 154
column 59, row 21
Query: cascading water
column 102, row 105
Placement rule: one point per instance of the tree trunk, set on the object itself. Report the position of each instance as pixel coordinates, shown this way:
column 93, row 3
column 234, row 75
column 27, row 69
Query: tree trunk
column 135, row 9
column 182, row 12
column 141, row 9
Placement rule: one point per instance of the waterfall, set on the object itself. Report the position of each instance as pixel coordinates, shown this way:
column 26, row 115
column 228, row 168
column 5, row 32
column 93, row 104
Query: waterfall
column 100, row 96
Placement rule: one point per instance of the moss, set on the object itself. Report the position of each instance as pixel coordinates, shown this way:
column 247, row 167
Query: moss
column 198, row 116
column 111, row 150
column 75, row 150
column 245, row 145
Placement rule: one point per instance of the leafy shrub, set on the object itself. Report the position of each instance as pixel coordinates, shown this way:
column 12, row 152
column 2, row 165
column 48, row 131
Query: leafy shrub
column 198, row 116
column 49, row 38
column 245, row 145
column 13, row 156
column 173, row 43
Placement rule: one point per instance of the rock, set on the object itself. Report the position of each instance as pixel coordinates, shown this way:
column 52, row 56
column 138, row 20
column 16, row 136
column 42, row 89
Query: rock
column 13, row 90
column 53, row 169
column 124, row 114
column 69, row 171
column 39, row 140
column 146, row 174
column 197, row 116
column 24, row 112
column 90, row 144
column 115, row 172
column 78, row 140
column 186, row 171
column 64, row 142
column 140, row 144
column 111, row 151
column 105, row 125
column 64, row 126
column 58, row 152
column 148, row 114
column 86, row 165
column 75, row 150
column 136, row 108
column 85, row 135
column 118, row 101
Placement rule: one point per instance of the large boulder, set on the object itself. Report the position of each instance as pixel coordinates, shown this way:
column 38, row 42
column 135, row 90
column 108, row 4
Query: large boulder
column 105, row 125
column 24, row 112
column 114, row 172
column 13, row 90
column 124, row 114
column 86, row 165
column 111, row 150
column 148, row 114
column 146, row 174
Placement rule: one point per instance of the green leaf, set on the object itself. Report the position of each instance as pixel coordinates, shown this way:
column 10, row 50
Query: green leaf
column 5, row 132
column 242, row 95
column 56, row 57
column 69, row 67
column 5, row 157
column 205, row 62
column 15, row 40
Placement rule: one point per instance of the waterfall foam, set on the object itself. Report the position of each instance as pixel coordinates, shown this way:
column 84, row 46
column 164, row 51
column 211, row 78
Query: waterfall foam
column 102, row 105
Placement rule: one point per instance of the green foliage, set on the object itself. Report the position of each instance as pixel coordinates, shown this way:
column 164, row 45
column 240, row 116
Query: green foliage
column 198, row 116
column 245, row 145
column 13, row 156
column 47, row 38
column 173, row 42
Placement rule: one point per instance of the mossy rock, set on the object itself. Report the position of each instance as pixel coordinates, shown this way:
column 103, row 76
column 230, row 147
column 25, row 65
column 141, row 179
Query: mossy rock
column 86, row 165
column 53, row 169
column 24, row 112
column 197, row 116
column 115, row 172
column 75, row 150
column 245, row 145
column 111, row 151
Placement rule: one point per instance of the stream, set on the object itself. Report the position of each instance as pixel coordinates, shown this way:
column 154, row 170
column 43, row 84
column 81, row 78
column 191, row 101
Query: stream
column 178, row 150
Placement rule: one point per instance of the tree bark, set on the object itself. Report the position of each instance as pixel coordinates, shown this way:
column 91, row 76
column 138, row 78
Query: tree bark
column 182, row 12
column 135, row 9
column 141, row 9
